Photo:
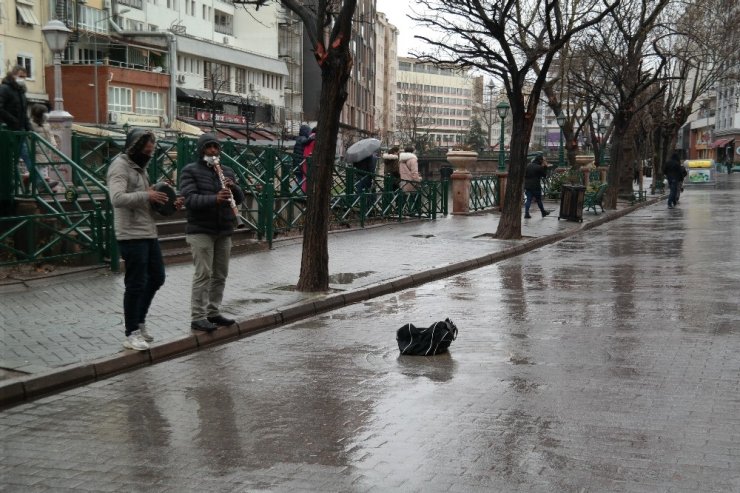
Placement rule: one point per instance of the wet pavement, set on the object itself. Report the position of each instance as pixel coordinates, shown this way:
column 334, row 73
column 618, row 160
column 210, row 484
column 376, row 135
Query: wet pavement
column 605, row 362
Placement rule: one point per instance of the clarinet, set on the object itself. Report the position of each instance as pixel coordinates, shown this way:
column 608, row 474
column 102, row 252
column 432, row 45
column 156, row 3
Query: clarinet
column 216, row 164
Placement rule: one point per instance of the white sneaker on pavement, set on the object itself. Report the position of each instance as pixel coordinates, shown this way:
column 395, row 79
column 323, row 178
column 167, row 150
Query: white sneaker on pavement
column 144, row 333
column 135, row 342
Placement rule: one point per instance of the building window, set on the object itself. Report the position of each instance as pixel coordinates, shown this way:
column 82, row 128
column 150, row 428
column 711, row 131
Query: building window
column 24, row 14
column 223, row 22
column 149, row 103
column 27, row 63
column 119, row 99
column 240, row 80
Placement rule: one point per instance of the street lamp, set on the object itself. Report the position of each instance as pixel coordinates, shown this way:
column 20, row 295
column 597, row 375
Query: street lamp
column 561, row 157
column 95, row 66
column 491, row 87
column 503, row 110
column 56, row 35
column 602, row 143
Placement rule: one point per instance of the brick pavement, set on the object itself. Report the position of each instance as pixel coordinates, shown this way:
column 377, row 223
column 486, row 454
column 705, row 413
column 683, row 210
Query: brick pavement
column 51, row 325
column 604, row 362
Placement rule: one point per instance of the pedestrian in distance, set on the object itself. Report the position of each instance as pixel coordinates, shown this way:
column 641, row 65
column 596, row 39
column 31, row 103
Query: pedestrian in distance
column 136, row 233
column 307, row 155
column 390, row 165
column 211, row 196
column 408, row 169
column 533, row 175
column 673, row 172
column 40, row 125
column 14, row 114
column 300, row 143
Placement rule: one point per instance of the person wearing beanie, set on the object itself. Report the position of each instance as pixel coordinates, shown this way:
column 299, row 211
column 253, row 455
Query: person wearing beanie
column 211, row 221
column 136, row 233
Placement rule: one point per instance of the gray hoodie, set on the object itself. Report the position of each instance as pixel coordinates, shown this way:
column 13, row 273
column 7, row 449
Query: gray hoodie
column 128, row 185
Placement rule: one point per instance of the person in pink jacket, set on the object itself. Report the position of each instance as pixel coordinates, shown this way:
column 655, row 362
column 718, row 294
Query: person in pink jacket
column 408, row 168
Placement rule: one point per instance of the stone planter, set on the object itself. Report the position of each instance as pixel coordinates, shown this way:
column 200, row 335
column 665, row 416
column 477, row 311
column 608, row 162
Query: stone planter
column 461, row 160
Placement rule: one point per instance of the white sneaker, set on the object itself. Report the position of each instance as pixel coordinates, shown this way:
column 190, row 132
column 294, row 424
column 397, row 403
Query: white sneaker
column 144, row 334
column 135, row 342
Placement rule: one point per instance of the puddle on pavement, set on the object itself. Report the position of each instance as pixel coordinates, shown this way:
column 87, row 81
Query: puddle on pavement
column 493, row 236
column 348, row 277
column 423, row 236
column 251, row 300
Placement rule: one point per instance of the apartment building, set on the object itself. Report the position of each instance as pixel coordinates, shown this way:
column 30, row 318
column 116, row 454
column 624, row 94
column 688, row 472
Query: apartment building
column 21, row 43
column 434, row 104
column 386, row 60
column 357, row 117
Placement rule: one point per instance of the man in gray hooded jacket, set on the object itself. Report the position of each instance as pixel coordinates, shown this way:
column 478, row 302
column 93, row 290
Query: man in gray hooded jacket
column 136, row 233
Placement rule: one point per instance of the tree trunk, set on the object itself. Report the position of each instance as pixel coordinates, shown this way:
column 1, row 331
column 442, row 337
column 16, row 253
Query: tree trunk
column 314, row 275
column 510, row 222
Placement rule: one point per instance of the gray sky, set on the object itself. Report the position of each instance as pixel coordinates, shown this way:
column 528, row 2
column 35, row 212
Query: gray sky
column 396, row 11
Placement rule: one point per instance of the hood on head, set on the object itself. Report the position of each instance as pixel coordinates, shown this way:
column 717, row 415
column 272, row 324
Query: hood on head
column 136, row 138
column 204, row 140
column 304, row 131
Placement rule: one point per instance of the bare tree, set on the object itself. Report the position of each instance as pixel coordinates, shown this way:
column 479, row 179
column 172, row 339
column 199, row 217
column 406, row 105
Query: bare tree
column 328, row 25
column 413, row 116
column 506, row 38
column 216, row 82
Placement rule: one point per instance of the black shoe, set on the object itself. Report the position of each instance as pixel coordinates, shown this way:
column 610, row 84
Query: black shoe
column 203, row 325
column 221, row 321
column 527, row 216
column 545, row 213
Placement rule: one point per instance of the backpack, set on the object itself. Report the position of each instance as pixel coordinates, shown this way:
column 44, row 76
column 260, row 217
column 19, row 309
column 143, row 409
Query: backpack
column 427, row 341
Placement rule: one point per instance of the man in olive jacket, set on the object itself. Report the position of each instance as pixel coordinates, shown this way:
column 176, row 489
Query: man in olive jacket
column 211, row 222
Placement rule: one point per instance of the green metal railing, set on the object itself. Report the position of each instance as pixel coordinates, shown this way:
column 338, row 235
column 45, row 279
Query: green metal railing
column 483, row 193
column 40, row 222
column 77, row 220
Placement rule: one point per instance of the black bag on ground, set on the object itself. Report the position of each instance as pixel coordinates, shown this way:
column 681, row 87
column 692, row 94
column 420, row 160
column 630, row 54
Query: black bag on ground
column 426, row 341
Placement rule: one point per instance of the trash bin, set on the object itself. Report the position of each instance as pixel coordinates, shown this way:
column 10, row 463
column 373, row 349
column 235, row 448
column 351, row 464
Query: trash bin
column 571, row 202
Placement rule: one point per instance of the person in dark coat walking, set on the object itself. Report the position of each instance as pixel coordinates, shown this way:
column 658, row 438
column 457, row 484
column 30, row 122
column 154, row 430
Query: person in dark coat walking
column 304, row 137
column 14, row 113
column 210, row 204
column 533, row 175
column 673, row 172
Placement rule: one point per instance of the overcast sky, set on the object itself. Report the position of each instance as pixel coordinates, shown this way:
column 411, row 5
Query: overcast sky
column 396, row 11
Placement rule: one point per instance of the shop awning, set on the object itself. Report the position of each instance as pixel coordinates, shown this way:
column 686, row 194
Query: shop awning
column 721, row 142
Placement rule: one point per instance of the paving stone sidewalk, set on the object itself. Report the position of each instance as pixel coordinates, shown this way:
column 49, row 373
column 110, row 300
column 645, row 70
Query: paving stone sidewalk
column 49, row 324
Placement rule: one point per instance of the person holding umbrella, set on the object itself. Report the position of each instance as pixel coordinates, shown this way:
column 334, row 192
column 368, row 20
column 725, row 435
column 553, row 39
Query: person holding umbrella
column 362, row 154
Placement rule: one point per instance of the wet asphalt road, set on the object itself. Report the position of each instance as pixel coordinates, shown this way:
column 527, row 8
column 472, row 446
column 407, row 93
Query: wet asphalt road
column 607, row 362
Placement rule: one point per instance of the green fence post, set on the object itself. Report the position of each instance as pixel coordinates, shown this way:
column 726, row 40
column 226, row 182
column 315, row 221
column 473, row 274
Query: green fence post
column 8, row 158
column 363, row 205
column 434, row 200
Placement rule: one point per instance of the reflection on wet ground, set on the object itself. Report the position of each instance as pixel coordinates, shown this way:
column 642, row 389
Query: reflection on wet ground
column 607, row 362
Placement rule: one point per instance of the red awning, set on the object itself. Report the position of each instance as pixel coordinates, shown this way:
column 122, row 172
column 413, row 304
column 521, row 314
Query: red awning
column 721, row 142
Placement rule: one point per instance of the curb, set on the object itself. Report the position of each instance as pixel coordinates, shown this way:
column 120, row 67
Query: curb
column 18, row 390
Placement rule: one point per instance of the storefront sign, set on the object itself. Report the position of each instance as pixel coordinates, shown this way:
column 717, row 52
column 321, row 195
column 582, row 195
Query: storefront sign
column 134, row 120
column 206, row 116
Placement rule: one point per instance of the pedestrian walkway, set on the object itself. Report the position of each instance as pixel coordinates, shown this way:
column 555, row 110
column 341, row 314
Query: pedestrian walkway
column 51, row 324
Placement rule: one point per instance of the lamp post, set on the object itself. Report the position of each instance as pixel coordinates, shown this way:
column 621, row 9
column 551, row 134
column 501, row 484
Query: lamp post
column 491, row 87
column 602, row 143
column 503, row 110
column 561, row 157
column 56, row 35
column 96, row 62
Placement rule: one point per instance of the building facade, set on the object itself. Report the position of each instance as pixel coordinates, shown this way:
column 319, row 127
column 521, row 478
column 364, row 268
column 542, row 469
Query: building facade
column 21, row 43
column 386, row 59
column 434, row 104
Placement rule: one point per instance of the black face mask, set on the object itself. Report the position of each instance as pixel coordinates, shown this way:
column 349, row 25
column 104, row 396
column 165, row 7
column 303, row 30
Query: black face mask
column 141, row 159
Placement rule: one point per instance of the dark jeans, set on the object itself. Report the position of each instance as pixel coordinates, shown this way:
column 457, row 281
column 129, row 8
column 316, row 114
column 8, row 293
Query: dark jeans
column 144, row 276
column 673, row 195
column 530, row 194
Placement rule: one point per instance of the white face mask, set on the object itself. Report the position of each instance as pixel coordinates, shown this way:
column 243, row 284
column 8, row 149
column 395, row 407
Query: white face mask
column 21, row 81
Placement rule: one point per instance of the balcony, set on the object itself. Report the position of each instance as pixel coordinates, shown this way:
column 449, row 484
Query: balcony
column 137, row 4
column 224, row 29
